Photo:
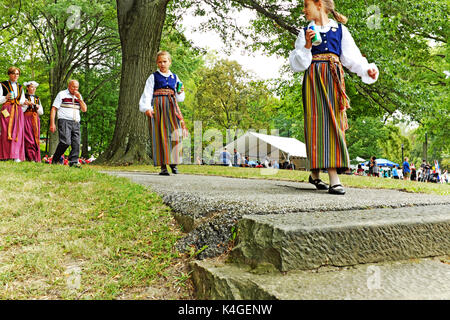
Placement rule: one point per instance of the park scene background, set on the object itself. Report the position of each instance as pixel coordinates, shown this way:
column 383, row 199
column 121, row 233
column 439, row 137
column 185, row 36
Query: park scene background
column 110, row 47
column 54, row 41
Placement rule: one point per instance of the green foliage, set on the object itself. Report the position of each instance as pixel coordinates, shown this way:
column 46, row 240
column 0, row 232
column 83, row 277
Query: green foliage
column 392, row 143
column 364, row 137
column 229, row 98
column 53, row 41
column 289, row 116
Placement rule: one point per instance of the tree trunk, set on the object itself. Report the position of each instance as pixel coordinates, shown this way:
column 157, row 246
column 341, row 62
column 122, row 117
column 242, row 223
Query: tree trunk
column 140, row 27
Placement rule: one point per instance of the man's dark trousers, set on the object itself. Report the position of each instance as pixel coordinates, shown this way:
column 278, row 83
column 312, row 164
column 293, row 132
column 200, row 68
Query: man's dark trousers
column 69, row 135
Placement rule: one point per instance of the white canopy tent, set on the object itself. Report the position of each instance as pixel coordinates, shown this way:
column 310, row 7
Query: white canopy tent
column 354, row 163
column 259, row 146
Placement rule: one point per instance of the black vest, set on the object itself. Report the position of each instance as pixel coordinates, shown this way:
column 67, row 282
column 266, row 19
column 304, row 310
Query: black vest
column 36, row 98
column 7, row 88
column 36, row 102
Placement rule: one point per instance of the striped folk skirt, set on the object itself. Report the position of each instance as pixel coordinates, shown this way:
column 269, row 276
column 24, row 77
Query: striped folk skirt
column 166, row 129
column 324, row 116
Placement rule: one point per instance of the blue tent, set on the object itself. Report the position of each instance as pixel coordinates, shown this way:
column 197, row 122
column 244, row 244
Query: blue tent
column 383, row 163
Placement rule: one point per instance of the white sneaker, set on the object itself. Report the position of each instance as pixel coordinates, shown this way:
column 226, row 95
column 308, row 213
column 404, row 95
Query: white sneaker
column 17, row 160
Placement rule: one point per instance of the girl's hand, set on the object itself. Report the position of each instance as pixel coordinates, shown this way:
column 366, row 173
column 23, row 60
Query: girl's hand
column 308, row 37
column 372, row 73
column 149, row 113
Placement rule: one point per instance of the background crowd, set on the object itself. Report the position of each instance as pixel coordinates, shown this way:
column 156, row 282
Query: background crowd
column 408, row 171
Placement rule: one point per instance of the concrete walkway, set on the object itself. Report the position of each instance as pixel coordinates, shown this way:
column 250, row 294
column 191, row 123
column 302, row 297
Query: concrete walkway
column 291, row 241
column 209, row 206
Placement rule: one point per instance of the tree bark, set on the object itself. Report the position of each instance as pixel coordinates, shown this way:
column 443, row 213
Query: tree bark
column 140, row 27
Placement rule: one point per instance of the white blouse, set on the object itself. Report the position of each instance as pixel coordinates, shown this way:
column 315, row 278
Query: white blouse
column 145, row 103
column 300, row 58
column 40, row 110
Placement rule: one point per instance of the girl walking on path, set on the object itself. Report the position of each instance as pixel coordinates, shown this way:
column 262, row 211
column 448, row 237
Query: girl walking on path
column 162, row 91
column 324, row 98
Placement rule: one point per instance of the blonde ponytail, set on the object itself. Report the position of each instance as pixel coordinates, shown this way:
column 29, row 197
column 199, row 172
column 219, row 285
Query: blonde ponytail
column 329, row 8
column 339, row 17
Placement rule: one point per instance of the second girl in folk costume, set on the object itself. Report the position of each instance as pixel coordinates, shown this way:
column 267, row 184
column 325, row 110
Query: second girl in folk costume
column 12, row 97
column 324, row 97
column 159, row 103
column 32, row 125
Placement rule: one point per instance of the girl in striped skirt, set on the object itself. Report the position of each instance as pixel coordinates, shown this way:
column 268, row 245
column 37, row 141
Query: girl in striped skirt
column 324, row 98
column 159, row 103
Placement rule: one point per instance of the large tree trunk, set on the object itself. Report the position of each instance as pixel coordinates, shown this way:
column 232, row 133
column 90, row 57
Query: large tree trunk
column 140, row 27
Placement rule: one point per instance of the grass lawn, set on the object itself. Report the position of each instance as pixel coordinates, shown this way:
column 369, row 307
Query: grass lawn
column 301, row 176
column 67, row 233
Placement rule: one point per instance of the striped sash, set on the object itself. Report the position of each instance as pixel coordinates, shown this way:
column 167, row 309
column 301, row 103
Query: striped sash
column 179, row 115
column 14, row 114
column 344, row 100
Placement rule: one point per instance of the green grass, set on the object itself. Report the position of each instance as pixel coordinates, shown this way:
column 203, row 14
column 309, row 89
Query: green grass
column 118, row 234
column 300, row 176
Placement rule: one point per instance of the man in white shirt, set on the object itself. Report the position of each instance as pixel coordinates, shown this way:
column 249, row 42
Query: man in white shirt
column 68, row 104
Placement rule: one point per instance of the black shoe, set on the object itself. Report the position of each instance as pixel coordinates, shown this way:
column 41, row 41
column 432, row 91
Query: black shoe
column 336, row 189
column 320, row 185
column 164, row 173
column 174, row 169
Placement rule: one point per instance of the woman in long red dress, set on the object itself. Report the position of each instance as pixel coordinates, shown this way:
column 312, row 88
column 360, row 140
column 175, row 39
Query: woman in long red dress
column 12, row 97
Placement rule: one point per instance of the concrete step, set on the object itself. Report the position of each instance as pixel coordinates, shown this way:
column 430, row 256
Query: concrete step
column 308, row 240
column 208, row 207
column 410, row 280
